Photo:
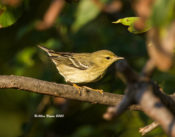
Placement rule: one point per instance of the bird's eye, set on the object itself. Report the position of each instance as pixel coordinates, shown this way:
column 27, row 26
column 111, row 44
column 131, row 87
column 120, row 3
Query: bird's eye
column 108, row 58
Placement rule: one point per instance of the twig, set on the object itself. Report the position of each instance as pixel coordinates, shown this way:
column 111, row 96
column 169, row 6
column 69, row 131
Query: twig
column 51, row 14
column 148, row 128
column 148, row 69
column 125, row 72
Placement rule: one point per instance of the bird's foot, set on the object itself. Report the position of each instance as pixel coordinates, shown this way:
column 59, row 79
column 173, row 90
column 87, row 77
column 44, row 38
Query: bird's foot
column 78, row 88
column 97, row 90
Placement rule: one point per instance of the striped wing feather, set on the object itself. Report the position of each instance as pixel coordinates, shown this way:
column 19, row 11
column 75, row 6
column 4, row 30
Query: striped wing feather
column 71, row 59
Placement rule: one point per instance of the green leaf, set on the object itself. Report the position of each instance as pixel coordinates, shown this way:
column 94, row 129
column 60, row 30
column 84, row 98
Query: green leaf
column 129, row 21
column 8, row 16
column 86, row 12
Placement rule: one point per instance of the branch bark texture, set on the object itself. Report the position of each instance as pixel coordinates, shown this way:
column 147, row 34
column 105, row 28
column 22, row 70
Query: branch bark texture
column 59, row 90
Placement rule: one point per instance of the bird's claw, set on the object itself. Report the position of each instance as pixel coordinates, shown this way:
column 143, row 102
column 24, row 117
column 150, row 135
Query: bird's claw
column 78, row 88
column 97, row 90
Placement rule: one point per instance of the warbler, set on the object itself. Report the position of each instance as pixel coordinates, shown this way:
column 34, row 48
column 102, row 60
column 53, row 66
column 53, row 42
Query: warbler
column 81, row 68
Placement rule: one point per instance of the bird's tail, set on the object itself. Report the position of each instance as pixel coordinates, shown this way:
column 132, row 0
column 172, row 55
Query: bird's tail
column 49, row 52
column 43, row 48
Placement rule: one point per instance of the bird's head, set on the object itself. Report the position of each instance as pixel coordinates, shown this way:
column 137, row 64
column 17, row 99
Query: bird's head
column 104, row 58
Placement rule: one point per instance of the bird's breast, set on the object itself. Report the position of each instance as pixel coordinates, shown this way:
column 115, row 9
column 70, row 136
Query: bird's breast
column 74, row 75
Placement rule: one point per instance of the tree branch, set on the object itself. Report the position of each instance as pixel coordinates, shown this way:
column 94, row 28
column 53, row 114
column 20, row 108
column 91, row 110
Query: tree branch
column 148, row 95
column 59, row 90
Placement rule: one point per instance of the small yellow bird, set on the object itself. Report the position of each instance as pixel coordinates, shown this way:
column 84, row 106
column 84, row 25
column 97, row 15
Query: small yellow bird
column 80, row 68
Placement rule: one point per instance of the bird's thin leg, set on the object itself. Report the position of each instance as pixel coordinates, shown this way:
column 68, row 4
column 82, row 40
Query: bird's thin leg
column 77, row 87
column 97, row 90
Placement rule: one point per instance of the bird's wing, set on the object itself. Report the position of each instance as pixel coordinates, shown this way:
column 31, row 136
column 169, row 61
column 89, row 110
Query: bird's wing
column 76, row 60
column 72, row 60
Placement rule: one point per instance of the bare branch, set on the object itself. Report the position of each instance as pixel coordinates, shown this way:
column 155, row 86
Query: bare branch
column 125, row 72
column 51, row 14
column 148, row 95
column 59, row 90
column 158, row 112
column 148, row 69
column 148, row 128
